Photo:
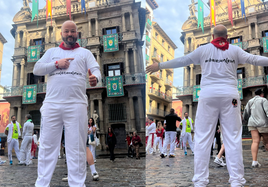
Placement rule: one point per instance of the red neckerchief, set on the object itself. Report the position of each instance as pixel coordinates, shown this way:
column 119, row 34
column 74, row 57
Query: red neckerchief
column 221, row 43
column 65, row 48
column 110, row 134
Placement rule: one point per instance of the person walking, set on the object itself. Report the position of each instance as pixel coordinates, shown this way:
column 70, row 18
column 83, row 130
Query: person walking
column 128, row 139
column 13, row 131
column 136, row 140
column 111, row 142
column 27, row 136
column 150, row 147
column 34, row 145
column 187, row 129
column 159, row 136
column 256, row 113
column 92, row 132
column 65, row 105
column 170, row 133
column 218, row 98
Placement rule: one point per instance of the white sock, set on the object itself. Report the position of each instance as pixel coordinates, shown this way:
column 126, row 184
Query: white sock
column 254, row 162
column 93, row 169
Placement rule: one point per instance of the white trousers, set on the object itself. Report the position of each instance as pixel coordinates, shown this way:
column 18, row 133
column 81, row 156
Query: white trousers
column 209, row 110
column 187, row 137
column 26, row 145
column 74, row 118
column 92, row 148
column 170, row 138
column 158, row 141
column 149, row 147
column 14, row 143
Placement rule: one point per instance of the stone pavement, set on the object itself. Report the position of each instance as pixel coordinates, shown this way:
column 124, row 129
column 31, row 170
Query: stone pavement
column 123, row 172
column 178, row 171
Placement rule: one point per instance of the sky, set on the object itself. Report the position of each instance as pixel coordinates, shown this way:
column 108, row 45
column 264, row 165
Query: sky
column 170, row 15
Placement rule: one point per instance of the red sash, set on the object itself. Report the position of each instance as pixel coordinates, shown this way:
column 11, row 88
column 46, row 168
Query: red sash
column 152, row 139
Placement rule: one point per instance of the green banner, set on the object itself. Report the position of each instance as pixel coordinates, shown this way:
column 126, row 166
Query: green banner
column 33, row 53
column 196, row 90
column 239, row 44
column 110, row 42
column 115, row 86
column 239, row 87
column 29, row 94
column 265, row 46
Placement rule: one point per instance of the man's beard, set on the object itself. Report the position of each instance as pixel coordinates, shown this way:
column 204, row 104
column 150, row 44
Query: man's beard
column 71, row 43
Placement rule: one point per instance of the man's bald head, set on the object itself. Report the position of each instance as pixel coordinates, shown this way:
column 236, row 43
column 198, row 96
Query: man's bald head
column 68, row 23
column 69, row 33
column 220, row 31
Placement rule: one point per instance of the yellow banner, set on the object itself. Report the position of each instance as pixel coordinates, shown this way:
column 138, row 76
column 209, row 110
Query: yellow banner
column 49, row 8
column 212, row 13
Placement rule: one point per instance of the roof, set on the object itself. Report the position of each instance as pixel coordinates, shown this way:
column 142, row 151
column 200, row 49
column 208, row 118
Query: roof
column 2, row 39
column 152, row 3
column 164, row 35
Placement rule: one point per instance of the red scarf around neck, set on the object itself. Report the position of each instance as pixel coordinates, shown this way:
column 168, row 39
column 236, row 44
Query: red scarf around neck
column 65, row 48
column 221, row 43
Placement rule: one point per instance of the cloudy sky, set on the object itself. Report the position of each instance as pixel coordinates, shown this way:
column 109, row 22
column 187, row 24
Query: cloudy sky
column 170, row 15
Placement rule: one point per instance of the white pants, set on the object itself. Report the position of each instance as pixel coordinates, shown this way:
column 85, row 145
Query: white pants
column 170, row 138
column 92, row 148
column 187, row 137
column 149, row 147
column 209, row 110
column 158, row 141
column 14, row 143
column 24, row 149
column 74, row 119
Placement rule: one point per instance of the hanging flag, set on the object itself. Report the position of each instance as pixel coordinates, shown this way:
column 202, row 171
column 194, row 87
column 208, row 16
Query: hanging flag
column 200, row 15
column 243, row 8
column 35, row 7
column 212, row 13
column 49, row 10
column 230, row 11
column 83, row 6
column 68, row 8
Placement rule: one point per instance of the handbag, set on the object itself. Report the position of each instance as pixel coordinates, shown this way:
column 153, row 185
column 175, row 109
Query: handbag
column 91, row 140
column 140, row 144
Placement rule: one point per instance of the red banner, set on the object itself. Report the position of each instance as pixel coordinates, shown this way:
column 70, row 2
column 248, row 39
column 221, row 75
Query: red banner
column 230, row 11
column 4, row 116
column 68, row 8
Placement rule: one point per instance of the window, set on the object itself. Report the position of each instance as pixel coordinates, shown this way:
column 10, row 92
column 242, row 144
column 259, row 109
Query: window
column 156, row 35
column 111, row 70
column 235, row 40
column 265, row 33
column 33, row 79
column 111, row 30
column 162, row 58
column 38, row 41
column 117, row 112
column 168, row 48
column 198, row 79
column 240, row 73
column 79, row 35
column 265, row 70
column 160, row 74
column 163, row 42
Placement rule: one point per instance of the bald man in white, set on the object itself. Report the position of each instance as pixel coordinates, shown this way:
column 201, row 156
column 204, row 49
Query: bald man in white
column 65, row 105
column 219, row 99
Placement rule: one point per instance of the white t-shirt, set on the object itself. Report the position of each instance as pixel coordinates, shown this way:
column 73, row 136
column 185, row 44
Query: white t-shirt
column 90, row 129
column 152, row 128
column 67, row 85
column 219, row 68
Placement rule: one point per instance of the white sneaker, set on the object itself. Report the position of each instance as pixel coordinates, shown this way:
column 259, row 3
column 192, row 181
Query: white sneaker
column 219, row 161
column 21, row 163
column 2, row 162
column 95, row 176
column 257, row 165
column 65, row 179
column 59, row 157
column 95, row 161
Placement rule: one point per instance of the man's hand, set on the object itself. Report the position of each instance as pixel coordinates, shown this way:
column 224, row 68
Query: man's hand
column 92, row 79
column 64, row 63
column 152, row 68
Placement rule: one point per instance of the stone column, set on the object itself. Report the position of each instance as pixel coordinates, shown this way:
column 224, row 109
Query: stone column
column 132, row 114
column 46, row 78
column 135, row 59
column 123, row 22
column 24, row 38
column 192, row 75
column 19, row 115
column 256, row 30
column 249, row 32
column 12, row 112
column 183, row 110
column 17, row 43
column 91, row 108
column 131, row 21
column 89, row 28
column 97, row 26
column 15, row 75
column 252, row 70
column 185, row 45
column 260, row 70
column 102, row 130
column 141, row 113
column 54, row 34
column 190, row 110
column 126, row 61
column 22, row 71
column 185, row 76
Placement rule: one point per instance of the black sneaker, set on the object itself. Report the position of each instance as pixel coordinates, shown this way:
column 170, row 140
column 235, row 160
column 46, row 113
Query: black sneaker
column 162, row 156
column 171, row 156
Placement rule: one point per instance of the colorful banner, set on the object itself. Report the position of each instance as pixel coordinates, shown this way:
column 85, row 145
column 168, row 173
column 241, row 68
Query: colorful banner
column 49, row 9
column 265, row 44
column 33, row 53
column 115, row 86
column 83, row 6
column 230, row 11
column 29, row 94
column 243, row 8
column 239, row 44
column 196, row 90
column 4, row 112
column 239, row 87
column 35, row 7
column 201, row 15
column 177, row 105
column 68, row 8
column 110, row 42
column 212, row 13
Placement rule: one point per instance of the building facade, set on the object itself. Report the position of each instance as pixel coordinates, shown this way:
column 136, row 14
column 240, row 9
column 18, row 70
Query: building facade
column 2, row 42
column 248, row 33
column 125, row 20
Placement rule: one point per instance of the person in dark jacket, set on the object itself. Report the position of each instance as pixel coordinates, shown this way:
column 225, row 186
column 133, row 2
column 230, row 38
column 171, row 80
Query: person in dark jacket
column 111, row 142
column 136, row 140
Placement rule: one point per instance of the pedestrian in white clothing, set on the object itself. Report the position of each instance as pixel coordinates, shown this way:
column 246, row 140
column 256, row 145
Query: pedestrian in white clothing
column 187, row 129
column 65, row 105
column 92, row 131
column 25, row 149
column 13, row 131
column 151, row 147
column 218, row 99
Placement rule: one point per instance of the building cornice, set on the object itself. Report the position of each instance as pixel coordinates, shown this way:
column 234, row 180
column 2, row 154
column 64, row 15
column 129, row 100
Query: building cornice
column 152, row 4
column 2, row 39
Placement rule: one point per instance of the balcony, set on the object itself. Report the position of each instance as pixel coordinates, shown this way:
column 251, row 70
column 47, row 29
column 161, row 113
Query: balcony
column 149, row 24
column 22, row 51
column 148, row 41
column 130, row 35
column 156, row 57
column 137, row 78
column 168, row 83
column 254, row 43
column 156, row 112
column 156, row 76
column 156, row 94
column 169, row 71
column 254, row 81
column 186, row 90
column 147, row 58
column 95, row 40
